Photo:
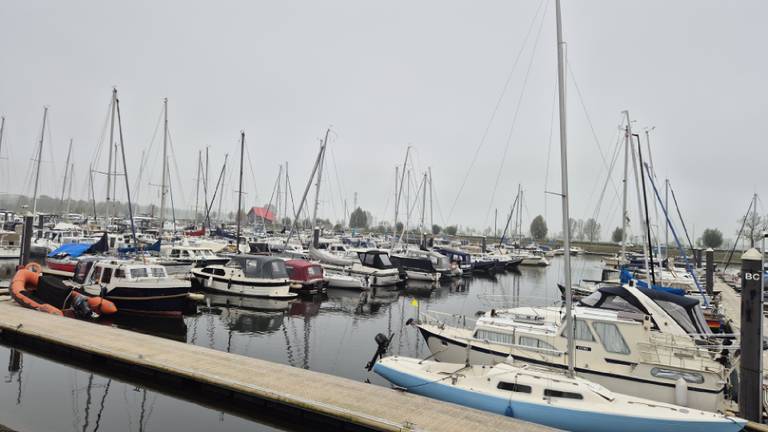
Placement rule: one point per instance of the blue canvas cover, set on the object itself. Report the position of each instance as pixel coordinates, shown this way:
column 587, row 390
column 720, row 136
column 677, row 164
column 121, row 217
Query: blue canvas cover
column 74, row 250
column 626, row 276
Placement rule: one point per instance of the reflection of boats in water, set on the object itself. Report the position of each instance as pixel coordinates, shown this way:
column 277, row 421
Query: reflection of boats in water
column 248, row 314
column 418, row 288
column 169, row 327
column 360, row 302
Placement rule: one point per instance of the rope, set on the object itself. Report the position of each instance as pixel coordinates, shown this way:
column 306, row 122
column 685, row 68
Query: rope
column 495, row 110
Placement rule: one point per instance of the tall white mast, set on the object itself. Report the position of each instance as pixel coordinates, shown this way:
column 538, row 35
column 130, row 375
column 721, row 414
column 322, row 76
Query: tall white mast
column 319, row 178
column 624, row 214
column 197, row 186
column 39, row 160
column 109, row 162
column 639, row 197
column 66, row 174
column 564, row 191
column 69, row 193
column 163, row 186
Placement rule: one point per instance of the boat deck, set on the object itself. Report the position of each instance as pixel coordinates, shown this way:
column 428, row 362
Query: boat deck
column 342, row 403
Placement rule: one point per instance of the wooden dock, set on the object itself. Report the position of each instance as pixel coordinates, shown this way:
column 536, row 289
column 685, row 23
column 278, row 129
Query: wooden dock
column 333, row 403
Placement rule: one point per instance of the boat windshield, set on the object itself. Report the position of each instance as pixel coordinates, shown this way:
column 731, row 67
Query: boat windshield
column 679, row 314
column 385, row 260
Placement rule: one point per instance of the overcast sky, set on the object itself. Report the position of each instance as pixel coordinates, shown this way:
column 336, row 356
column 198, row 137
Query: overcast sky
column 385, row 75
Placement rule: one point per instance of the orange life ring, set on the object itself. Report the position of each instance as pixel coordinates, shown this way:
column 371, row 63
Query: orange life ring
column 34, row 267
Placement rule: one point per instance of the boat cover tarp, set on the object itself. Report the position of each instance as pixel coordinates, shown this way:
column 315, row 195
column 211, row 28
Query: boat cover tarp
column 329, row 258
column 155, row 247
column 75, row 250
column 626, row 276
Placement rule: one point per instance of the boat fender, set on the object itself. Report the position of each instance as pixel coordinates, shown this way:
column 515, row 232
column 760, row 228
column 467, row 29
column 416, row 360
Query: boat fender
column 34, row 267
column 681, row 392
column 509, row 412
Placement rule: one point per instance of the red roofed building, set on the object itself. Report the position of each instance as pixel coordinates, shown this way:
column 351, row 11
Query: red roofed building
column 257, row 214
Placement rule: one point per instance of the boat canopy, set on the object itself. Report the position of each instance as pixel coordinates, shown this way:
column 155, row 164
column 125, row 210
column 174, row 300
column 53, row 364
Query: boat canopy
column 72, row 250
column 376, row 259
column 684, row 310
column 303, row 270
column 255, row 266
column 455, row 255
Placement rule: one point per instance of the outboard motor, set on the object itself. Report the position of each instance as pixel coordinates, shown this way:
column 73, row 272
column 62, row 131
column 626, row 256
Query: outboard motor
column 383, row 344
column 81, row 309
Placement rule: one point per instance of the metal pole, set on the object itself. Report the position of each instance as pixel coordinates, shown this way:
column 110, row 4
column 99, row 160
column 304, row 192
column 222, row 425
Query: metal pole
column 197, row 186
column 647, row 217
column 750, row 369
column 39, row 160
column 564, row 187
column 319, row 178
column 431, row 215
column 304, row 197
column 69, row 191
column 710, row 278
column 240, row 188
column 666, row 228
column 109, row 162
column 165, row 166
column 624, row 215
column 66, row 174
column 125, row 174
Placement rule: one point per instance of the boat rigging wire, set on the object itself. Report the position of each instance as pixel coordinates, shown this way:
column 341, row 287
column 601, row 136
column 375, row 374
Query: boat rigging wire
column 495, row 110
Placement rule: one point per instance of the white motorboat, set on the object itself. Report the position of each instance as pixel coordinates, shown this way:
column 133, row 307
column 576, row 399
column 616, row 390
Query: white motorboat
column 247, row 275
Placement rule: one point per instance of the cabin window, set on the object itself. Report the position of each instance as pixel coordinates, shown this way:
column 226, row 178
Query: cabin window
column 140, row 272
column 611, row 337
column 120, row 273
column 175, row 253
column 315, row 271
column 491, row 336
column 562, row 394
column 385, row 260
column 533, row 342
column 582, row 331
column 674, row 375
column 290, row 271
column 278, row 269
column 369, row 260
column 514, row 387
column 106, row 276
column 158, row 272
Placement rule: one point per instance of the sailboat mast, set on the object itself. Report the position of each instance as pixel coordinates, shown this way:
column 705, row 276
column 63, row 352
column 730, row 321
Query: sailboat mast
column 69, row 192
column 197, row 185
column 66, row 174
column 399, row 190
column 39, row 160
column 125, row 173
column 423, row 206
column 397, row 176
column 2, row 130
column 564, row 191
column 624, row 215
column 294, row 225
column 431, row 215
column 163, row 186
column 109, row 162
column 240, row 189
column 319, row 178
column 646, row 240
column 285, row 212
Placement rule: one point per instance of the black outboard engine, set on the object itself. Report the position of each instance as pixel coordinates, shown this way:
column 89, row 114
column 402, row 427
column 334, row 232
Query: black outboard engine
column 383, row 344
column 81, row 309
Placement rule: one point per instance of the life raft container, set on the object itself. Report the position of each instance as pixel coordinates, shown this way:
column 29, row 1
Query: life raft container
column 41, row 293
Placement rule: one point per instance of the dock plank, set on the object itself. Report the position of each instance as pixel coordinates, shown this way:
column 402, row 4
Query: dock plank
column 361, row 404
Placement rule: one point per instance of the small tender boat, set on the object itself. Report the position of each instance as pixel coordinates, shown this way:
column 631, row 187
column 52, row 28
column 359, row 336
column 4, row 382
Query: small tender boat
column 133, row 286
column 339, row 280
column 247, row 275
column 542, row 396
column 47, row 294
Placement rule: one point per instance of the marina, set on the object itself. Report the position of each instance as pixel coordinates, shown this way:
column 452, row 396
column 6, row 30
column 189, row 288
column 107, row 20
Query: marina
column 219, row 242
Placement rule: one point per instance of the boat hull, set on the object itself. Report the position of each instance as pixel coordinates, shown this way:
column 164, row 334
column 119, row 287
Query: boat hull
column 545, row 413
column 265, row 288
column 447, row 350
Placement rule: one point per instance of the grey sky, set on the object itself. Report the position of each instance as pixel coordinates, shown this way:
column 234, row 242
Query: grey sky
column 388, row 74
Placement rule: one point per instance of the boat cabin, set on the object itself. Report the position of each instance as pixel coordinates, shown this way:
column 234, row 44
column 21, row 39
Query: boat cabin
column 375, row 259
column 259, row 267
column 303, row 271
column 89, row 271
column 685, row 311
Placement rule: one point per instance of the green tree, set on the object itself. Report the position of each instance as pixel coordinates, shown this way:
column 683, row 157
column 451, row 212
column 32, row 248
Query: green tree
column 436, row 229
column 539, row 228
column 398, row 227
column 358, row 219
column 451, row 230
column 618, row 235
column 712, row 238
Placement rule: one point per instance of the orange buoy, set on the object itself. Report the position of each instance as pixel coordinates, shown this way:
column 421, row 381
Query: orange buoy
column 25, row 282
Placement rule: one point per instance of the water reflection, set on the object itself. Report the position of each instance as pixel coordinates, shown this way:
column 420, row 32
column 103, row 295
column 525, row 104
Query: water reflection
column 331, row 333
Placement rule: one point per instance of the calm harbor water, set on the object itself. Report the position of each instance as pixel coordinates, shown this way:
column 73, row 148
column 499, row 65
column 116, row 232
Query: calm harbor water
column 331, row 333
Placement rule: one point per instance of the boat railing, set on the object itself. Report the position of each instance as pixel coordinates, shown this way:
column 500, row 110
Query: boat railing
column 442, row 320
column 675, row 350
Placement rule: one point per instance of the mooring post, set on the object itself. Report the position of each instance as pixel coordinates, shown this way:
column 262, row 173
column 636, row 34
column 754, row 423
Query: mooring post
column 697, row 253
column 710, row 271
column 26, row 240
column 485, row 244
column 751, row 381
column 316, row 238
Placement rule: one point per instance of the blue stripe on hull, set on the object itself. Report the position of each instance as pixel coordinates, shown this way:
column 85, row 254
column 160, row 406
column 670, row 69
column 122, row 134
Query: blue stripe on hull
column 545, row 414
